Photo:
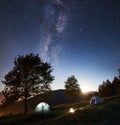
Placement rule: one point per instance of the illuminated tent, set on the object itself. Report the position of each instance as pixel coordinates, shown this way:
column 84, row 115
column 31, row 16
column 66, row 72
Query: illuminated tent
column 42, row 108
column 95, row 100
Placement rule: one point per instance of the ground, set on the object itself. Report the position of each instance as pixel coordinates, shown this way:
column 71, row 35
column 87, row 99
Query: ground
column 106, row 113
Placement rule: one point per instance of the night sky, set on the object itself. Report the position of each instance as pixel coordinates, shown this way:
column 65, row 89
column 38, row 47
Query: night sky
column 78, row 37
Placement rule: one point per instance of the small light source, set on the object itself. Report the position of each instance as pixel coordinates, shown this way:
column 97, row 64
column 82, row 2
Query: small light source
column 71, row 110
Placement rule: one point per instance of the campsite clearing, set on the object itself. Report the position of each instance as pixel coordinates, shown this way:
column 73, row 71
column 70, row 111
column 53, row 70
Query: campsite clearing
column 106, row 113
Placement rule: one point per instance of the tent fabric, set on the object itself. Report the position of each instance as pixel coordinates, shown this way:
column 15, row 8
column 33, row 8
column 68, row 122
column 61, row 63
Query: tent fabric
column 42, row 107
column 95, row 100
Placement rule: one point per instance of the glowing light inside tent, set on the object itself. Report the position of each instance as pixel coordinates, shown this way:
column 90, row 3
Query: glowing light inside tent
column 71, row 110
column 42, row 108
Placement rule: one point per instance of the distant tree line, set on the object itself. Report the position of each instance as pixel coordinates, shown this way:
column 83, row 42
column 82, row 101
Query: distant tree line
column 109, row 88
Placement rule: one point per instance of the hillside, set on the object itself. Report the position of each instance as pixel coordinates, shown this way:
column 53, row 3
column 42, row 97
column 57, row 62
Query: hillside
column 107, row 113
column 56, row 97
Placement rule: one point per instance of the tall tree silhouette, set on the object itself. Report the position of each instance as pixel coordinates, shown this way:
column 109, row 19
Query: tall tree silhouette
column 102, row 88
column 106, row 89
column 116, row 85
column 72, row 88
column 29, row 75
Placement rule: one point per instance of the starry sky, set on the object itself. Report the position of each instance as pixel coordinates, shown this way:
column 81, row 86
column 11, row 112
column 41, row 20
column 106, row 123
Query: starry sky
column 78, row 37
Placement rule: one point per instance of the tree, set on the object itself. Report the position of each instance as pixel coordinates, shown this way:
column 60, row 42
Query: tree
column 116, row 86
column 106, row 89
column 109, row 89
column 72, row 88
column 29, row 75
column 101, row 89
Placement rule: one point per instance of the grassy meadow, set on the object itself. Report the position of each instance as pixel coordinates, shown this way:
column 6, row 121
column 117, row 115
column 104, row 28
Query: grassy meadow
column 107, row 113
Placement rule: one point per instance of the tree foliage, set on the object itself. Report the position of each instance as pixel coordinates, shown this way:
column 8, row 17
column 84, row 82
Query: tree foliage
column 116, row 85
column 11, row 94
column 109, row 88
column 72, row 88
column 29, row 75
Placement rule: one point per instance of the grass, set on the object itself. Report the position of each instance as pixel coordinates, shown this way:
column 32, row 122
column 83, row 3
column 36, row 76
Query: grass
column 107, row 113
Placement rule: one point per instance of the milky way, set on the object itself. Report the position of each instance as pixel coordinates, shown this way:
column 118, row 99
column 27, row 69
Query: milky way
column 53, row 24
column 78, row 37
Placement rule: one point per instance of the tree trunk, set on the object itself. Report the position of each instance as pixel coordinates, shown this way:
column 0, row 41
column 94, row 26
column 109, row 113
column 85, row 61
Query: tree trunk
column 25, row 101
column 25, row 104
